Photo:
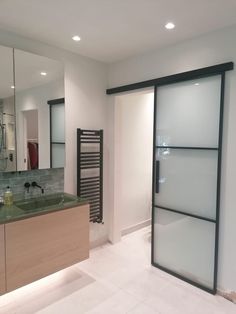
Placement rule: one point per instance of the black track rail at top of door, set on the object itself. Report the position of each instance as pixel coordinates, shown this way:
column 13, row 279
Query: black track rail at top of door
column 174, row 78
column 185, row 147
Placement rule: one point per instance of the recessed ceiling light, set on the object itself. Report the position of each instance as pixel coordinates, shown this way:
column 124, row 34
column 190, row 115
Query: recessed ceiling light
column 12, row 86
column 196, row 84
column 170, row 25
column 76, row 38
column 43, row 73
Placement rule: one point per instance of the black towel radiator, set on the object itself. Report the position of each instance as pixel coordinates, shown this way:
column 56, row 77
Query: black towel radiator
column 90, row 170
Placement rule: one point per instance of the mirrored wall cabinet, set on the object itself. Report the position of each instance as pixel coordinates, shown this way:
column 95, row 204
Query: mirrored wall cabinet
column 28, row 83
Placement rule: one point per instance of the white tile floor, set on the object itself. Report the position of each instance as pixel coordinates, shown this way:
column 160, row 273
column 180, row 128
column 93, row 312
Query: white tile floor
column 116, row 279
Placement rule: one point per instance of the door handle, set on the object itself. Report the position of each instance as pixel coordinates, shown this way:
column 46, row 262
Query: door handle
column 157, row 175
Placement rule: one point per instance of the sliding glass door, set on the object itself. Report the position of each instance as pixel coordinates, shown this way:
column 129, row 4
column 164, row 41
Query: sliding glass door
column 186, row 180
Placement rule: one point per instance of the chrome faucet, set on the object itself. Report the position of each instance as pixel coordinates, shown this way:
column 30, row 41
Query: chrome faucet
column 35, row 184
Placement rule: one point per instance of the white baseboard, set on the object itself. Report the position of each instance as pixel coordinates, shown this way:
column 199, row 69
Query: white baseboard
column 99, row 242
column 229, row 295
column 136, row 227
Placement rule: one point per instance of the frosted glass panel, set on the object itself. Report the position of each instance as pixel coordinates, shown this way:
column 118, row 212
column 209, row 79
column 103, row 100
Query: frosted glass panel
column 185, row 245
column 58, row 123
column 188, row 113
column 188, row 180
column 58, row 155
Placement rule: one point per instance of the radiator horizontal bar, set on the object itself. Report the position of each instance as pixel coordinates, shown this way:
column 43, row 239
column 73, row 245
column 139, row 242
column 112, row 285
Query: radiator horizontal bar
column 89, row 183
column 89, row 167
column 90, row 193
column 94, row 201
column 89, row 161
column 91, row 200
column 90, row 189
column 90, row 142
column 83, row 187
column 89, row 178
column 90, row 158
column 95, row 213
column 86, row 185
column 87, row 195
column 90, row 153
column 94, row 207
column 96, row 137
column 96, row 198
column 90, row 131
column 95, row 163
column 94, row 210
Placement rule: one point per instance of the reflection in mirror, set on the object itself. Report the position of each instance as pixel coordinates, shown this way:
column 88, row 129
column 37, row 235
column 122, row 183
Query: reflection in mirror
column 7, row 111
column 31, row 138
column 57, row 128
column 37, row 80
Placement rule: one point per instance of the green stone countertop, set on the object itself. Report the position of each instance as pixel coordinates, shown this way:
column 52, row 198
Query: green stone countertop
column 31, row 207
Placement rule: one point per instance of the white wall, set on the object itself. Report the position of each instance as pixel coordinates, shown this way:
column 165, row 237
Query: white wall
column 211, row 49
column 32, row 124
column 134, row 120
column 86, row 107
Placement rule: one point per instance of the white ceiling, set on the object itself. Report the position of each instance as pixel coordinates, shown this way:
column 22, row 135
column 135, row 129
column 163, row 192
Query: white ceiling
column 113, row 30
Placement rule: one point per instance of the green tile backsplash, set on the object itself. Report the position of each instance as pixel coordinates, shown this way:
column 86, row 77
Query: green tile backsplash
column 52, row 180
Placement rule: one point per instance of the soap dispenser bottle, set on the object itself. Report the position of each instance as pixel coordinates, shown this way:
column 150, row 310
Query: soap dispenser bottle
column 8, row 197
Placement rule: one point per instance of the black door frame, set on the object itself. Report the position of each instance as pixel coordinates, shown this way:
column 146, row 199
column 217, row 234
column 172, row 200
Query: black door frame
column 216, row 221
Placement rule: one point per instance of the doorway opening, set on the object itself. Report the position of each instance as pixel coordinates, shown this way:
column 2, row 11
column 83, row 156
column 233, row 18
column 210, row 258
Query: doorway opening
column 134, row 112
column 31, row 146
column 188, row 125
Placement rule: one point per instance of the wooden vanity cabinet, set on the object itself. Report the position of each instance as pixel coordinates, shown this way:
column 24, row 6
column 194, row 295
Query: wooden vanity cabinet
column 2, row 261
column 42, row 245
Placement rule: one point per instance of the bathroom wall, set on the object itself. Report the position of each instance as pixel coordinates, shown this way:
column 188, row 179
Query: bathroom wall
column 134, row 128
column 86, row 107
column 210, row 49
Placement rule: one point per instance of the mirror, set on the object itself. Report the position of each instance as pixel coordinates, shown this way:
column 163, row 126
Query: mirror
column 25, row 129
column 38, row 80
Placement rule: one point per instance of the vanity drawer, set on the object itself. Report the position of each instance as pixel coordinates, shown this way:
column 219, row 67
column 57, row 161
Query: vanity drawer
column 42, row 245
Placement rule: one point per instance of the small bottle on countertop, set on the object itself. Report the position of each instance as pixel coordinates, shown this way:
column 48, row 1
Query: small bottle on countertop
column 8, row 197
